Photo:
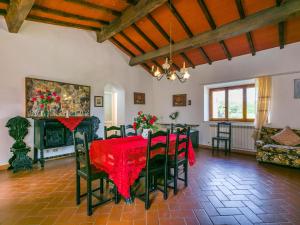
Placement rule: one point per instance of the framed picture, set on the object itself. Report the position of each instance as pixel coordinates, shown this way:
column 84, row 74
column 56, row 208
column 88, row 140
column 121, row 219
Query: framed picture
column 179, row 100
column 74, row 99
column 297, row 88
column 139, row 98
column 98, row 101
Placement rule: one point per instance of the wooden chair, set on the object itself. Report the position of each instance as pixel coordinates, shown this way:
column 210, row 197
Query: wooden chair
column 223, row 135
column 88, row 172
column 129, row 131
column 175, row 126
column 114, row 129
column 156, row 167
column 180, row 159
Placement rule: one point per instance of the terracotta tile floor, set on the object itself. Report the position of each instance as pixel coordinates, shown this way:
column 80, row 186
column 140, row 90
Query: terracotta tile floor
column 222, row 190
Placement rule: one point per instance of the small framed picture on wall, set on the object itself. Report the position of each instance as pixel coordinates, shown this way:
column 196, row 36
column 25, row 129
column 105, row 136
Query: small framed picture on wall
column 179, row 100
column 139, row 98
column 297, row 88
column 98, row 101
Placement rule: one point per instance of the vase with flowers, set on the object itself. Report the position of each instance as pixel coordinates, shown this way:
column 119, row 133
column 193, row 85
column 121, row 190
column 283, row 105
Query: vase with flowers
column 145, row 122
column 44, row 99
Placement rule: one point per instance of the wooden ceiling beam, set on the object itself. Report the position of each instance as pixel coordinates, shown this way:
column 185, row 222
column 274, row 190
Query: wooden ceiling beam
column 240, row 7
column 17, row 12
column 68, row 15
column 129, row 16
column 137, row 47
column 164, row 33
column 281, row 28
column 96, row 6
column 281, row 32
column 116, row 42
column 61, row 23
column 167, row 37
column 185, row 27
column 147, row 39
column 235, row 28
column 213, row 26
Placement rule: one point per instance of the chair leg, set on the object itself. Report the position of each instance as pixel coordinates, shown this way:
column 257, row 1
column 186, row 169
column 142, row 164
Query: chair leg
column 166, row 183
column 218, row 145
column 213, row 145
column 226, row 147
column 116, row 195
column 229, row 146
column 77, row 189
column 89, row 198
column 101, row 185
column 175, row 179
column 186, row 174
column 147, row 200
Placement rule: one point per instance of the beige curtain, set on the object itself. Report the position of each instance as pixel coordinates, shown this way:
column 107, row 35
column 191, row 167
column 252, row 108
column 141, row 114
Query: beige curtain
column 263, row 89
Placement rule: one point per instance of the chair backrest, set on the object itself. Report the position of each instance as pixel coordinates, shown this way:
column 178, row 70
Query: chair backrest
column 164, row 144
column 182, row 142
column 82, row 151
column 129, row 131
column 175, row 126
column 117, row 132
column 224, row 130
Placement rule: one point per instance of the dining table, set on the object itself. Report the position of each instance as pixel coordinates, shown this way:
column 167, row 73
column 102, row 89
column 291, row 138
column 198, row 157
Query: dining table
column 123, row 159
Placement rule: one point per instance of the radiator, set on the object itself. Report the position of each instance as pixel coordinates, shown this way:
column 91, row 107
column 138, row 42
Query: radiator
column 241, row 136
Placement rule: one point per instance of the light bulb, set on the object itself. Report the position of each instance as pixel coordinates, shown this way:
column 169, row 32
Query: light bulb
column 166, row 65
column 157, row 72
column 186, row 75
column 173, row 76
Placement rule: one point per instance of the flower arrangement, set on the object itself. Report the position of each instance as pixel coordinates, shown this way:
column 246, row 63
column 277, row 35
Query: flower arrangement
column 43, row 99
column 144, row 121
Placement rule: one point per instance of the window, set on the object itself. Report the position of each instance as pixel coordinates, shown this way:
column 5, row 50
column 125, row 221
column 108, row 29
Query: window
column 236, row 103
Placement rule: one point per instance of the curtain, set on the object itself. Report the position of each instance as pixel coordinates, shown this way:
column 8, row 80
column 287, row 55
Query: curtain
column 263, row 89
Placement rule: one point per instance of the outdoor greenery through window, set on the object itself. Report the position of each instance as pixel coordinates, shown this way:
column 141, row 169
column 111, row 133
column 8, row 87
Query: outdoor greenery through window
column 236, row 103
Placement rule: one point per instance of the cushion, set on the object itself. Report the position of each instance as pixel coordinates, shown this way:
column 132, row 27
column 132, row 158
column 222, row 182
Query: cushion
column 287, row 137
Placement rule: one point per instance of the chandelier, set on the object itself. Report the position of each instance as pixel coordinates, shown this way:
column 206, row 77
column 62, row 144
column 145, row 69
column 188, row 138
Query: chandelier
column 182, row 75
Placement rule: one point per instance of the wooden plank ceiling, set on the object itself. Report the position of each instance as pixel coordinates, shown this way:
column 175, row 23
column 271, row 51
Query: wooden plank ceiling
column 150, row 31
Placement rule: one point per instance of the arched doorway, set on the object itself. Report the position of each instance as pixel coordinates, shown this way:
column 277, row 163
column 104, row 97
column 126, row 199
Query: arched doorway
column 114, row 105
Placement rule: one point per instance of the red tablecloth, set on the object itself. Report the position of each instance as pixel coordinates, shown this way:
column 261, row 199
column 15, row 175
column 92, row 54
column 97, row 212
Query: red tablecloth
column 124, row 158
column 71, row 123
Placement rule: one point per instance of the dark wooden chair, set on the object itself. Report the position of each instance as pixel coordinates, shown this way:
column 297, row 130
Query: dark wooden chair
column 129, row 131
column 175, row 126
column 180, row 159
column 156, row 167
column 88, row 172
column 223, row 135
column 118, row 132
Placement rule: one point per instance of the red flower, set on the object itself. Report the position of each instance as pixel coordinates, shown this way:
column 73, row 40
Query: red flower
column 54, row 94
column 49, row 97
column 42, row 96
column 154, row 118
column 134, row 125
column 57, row 99
column 144, row 118
column 33, row 99
column 39, row 92
column 151, row 122
column 42, row 106
column 140, row 113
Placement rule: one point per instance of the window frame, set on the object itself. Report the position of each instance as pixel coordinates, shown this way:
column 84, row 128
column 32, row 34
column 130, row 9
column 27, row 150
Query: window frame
column 226, row 89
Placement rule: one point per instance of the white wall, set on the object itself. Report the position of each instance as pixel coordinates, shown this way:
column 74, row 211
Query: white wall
column 285, row 109
column 67, row 55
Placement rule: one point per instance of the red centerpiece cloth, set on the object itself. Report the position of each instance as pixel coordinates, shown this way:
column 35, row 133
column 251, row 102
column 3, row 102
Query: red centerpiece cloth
column 71, row 123
column 124, row 158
